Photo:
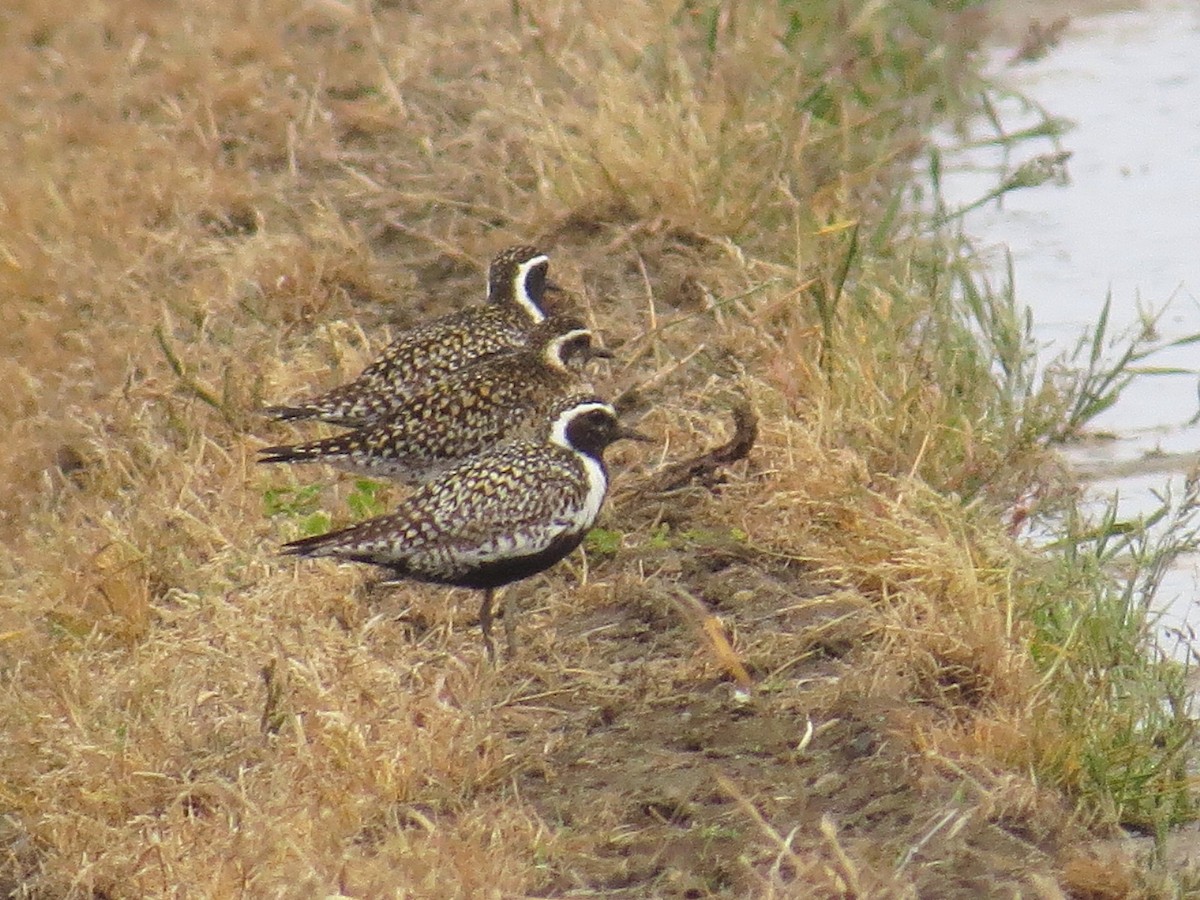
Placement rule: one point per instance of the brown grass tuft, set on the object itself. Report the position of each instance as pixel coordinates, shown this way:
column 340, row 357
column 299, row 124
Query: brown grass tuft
column 212, row 207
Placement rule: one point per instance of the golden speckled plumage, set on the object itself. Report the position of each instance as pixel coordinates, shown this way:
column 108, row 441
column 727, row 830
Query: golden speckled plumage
column 422, row 355
column 498, row 517
column 465, row 413
column 516, row 498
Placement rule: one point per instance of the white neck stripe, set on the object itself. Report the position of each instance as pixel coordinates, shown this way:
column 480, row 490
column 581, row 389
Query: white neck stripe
column 597, row 488
column 521, row 295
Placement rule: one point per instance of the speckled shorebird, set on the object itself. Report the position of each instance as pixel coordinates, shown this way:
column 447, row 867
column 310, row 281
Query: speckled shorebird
column 427, row 352
column 495, row 518
column 465, row 413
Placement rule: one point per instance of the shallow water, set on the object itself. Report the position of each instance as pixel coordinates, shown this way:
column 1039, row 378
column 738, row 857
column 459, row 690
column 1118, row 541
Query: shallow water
column 1126, row 222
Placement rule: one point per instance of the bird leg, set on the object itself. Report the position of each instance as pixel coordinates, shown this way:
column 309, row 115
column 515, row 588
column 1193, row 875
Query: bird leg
column 508, row 611
column 485, row 623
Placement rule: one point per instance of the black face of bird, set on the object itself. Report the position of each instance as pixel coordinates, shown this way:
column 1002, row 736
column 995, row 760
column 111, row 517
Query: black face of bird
column 582, row 346
column 590, row 427
column 572, row 342
column 518, row 275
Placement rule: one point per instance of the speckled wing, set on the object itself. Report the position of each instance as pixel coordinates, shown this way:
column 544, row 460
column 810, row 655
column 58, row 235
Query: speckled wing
column 470, row 411
column 417, row 359
column 429, row 352
column 515, row 501
column 466, row 413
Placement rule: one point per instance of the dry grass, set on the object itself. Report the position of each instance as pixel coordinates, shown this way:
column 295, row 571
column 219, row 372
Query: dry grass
column 211, row 206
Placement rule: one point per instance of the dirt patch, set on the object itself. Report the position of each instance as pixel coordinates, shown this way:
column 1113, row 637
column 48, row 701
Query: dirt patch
column 664, row 780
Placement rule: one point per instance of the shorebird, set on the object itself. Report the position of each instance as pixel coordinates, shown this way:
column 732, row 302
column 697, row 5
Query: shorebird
column 423, row 354
column 498, row 517
column 465, row 413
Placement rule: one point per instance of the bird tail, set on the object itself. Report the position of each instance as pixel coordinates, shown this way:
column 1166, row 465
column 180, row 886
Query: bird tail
column 317, row 545
column 335, row 407
column 325, row 450
column 342, row 545
column 287, row 413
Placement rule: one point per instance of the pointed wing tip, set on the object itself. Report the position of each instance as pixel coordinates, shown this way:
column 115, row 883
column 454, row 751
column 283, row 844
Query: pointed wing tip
column 283, row 413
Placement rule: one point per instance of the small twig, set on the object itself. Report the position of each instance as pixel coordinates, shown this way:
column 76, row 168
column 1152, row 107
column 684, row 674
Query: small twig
column 848, row 870
column 735, row 794
column 715, row 634
column 701, row 467
column 443, row 246
column 186, row 380
column 272, row 715
column 633, row 397
column 390, row 88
